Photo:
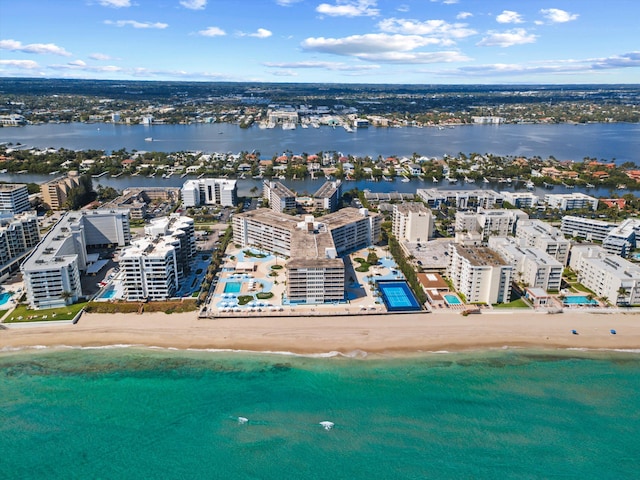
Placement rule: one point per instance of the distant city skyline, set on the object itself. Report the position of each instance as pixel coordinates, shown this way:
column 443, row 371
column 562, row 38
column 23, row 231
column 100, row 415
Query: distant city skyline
column 334, row 41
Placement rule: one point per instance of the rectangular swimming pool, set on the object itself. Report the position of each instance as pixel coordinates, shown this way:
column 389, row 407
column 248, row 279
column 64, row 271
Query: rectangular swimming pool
column 232, row 287
column 397, row 296
column 579, row 300
column 452, row 299
column 108, row 294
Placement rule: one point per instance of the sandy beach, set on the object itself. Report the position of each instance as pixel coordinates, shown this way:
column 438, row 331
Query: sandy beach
column 393, row 334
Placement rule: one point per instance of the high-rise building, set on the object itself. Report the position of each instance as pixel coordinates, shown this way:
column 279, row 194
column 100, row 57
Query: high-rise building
column 14, row 198
column 18, row 235
column 412, row 222
column 52, row 270
column 56, row 192
column 210, row 191
column 280, row 198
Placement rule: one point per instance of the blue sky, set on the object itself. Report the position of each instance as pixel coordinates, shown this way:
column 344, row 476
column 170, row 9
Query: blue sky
column 338, row 41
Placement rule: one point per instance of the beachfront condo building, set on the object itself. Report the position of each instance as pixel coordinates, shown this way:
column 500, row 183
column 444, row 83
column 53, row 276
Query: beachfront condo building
column 280, row 198
column 14, row 198
column 608, row 276
column 480, row 274
column 154, row 267
column 56, row 192
column 18, row 236
column 532, row 267
column 52, row 270
column 497, row 223
column 209, row 191
column 412, row 222
column 546, row 237
column 570, row 201
column 315, row 273
column 520, row 199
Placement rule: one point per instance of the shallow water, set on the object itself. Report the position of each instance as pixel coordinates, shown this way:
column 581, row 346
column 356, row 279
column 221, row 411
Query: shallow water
column 126, row 413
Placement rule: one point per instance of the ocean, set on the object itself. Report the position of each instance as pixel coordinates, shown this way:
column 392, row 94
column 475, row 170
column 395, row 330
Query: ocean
column 125, row 413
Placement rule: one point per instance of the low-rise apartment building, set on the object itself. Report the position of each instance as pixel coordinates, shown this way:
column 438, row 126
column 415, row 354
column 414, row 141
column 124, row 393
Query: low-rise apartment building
column 587, row 228
column 209, row 191
column 460, row 199
column 546, row 237
column 570, row 201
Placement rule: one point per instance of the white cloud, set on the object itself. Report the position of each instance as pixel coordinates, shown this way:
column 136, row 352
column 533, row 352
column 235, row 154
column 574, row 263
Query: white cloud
column 517, row 36
column 555, row 15
column 260, row 33
column 463, row 15
column 436, row 28
column 212, row 32
column 382, row 48
column 26, row 64
column 286, row 3
column 136, row 24
column 115, row 3
column 100, row 56
column 194, row 4
column 349, row 8
column 285, row 73
column 333, row 66
column 77, row 63
column 40, row 48
column 509, row 16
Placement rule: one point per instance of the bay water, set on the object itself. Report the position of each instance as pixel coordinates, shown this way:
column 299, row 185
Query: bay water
column 124, row 413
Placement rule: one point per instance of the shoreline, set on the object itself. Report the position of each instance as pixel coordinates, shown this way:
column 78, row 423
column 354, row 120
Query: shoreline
column 382, row 336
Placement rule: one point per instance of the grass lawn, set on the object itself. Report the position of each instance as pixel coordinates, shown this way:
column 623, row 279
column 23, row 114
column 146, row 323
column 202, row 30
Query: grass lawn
column 519, row 303
column 28, row 315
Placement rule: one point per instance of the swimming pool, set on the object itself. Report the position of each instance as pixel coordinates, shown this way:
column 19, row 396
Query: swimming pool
column 232, row 287
column 452, row 299
column 108, row 294
column 579, row 300
column 4, row 299
column 397, row 296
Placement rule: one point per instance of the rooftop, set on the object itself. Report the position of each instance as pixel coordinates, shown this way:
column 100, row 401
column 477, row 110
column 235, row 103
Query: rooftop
column 480, row 256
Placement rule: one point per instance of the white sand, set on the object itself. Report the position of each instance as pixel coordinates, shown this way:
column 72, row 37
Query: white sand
column 390, row 334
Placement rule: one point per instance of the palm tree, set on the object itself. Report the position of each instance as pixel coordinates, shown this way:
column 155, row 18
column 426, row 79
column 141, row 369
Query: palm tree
column 65, row 295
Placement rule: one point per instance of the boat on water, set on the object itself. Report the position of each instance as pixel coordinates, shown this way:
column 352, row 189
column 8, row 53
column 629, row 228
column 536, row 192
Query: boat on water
column 148, row 139
column 590, row 185
column 484, row 180
column 435, row 180
column 529, row 185
column 405, row 179
column 288, row 126
column 183, row 175
column 469, row 180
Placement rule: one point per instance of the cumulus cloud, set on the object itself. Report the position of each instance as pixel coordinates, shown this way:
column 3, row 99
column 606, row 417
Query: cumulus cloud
column 334, row 66
column 555, row 15
column 194, row 4
column 212, row 32
column 463, row 15
column 100, row 56
column 383, row 48
column 25, row 64
column 518, row 36
column 78, row 63
column 349, row 8
column 439, row 29
column 136, row 24
column 115, row 3
column 509, row 16
column 260, row 33
column 39, row 48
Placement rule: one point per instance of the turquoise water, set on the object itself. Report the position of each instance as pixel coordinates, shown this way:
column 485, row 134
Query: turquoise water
column 128, row 414
column 4, row 299
column 452, row 300
column 579, row 300
column 108, row 294
column 232, row 287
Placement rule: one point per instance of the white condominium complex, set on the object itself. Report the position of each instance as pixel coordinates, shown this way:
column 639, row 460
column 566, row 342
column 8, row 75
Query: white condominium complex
column 52, row 270
column 533, row 266
column 327, row 197
column 209, row 191
column 480, row 274
column 461, row 199
column 587, row 228
column 315, row 274
column 608, row 276
column 541, row 235
column 153, row 267
column 497, row 223
column 18, row 235
column 14, row 198
column 570, row 201
column 280, row 198
column 520, row 199
column 412, row 222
